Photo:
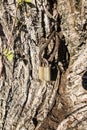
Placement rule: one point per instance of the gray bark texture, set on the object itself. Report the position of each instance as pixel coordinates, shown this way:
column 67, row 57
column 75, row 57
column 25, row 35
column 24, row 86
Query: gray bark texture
column 43, row 65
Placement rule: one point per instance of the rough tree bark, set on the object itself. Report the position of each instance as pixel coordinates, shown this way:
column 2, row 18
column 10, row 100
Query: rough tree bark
column 74, row 28
column 25, row 100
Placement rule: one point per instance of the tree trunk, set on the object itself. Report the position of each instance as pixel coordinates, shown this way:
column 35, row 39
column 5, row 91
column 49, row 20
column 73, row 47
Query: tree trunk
column 38, row 42
column 74, row 92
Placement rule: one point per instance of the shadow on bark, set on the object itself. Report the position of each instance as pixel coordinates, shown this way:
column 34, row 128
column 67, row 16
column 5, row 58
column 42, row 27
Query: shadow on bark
column 1, row 30
column 84, row 80
column 63, row 57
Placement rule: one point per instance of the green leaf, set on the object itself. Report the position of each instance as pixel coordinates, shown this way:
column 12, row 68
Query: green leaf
column 19, row 1
column 9, row 54
column 28, row 1
column 5, row 51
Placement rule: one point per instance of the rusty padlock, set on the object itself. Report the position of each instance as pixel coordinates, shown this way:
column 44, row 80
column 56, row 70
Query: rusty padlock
column 41, row 71
column 44, row 71
column 47, row 74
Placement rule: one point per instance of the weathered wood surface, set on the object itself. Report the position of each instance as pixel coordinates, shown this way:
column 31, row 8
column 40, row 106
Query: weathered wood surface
column 25, row 100
column 71, row 103
column 74, row 23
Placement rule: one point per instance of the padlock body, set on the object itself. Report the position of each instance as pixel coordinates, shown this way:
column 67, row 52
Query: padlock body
column 47, row 74
column 41, row 72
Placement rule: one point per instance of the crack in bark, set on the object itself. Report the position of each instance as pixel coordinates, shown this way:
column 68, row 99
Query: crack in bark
column 75, row 111
column 7, row 107
column 27, row 93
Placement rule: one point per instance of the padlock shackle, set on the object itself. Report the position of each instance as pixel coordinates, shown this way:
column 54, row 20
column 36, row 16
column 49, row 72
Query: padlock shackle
column 44, row 62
